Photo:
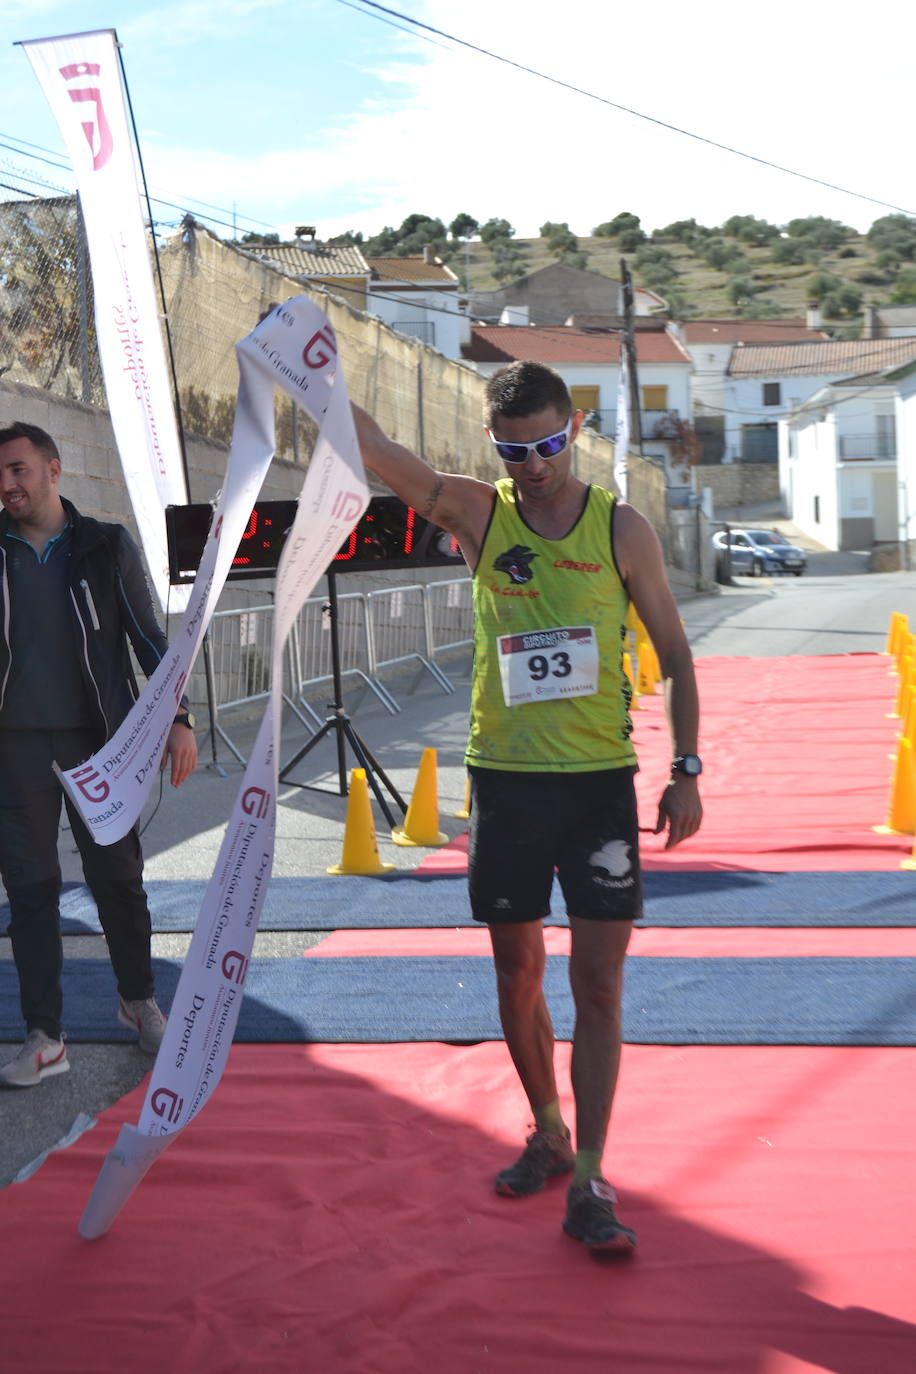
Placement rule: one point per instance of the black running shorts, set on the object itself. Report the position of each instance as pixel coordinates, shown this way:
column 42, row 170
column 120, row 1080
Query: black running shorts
column 525, row 825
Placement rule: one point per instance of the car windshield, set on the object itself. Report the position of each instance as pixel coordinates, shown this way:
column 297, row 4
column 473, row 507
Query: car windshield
column 766, row 537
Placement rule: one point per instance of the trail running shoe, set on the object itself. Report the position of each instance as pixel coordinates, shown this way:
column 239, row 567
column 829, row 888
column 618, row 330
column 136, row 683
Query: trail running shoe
column 590, row 1217
column 545, row 1156
column 144, row 1017
column 40, row 1057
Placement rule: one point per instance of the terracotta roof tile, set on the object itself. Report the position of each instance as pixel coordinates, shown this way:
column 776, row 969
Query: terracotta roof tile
column 415, row 270
column 829, row 358
column 749, row 331
column 319, row 260
column 505, row 343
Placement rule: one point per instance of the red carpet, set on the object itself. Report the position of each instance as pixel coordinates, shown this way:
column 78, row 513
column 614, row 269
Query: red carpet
column 331, row 1213
column 796, row 763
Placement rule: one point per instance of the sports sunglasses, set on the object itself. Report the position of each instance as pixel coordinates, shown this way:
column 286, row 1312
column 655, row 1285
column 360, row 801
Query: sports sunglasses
column 544, row 448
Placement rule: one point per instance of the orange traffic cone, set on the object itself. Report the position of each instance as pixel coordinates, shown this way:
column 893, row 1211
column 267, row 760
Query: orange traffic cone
column 628, row 669
column 465, row 811
column 901, row 812
column 893, row 632
column 421, row 824
column 648, row 672
column 360, row 848
column 906, row 682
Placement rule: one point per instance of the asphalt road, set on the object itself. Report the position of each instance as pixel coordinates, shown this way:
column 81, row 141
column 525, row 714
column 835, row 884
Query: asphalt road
column 835, row 608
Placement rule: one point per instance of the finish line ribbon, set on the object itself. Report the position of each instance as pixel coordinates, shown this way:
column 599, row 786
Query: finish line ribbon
column 293, row 348
column 207, row 1001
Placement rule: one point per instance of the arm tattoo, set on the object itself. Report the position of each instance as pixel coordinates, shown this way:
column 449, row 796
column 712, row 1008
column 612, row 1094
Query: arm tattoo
column 434, row 495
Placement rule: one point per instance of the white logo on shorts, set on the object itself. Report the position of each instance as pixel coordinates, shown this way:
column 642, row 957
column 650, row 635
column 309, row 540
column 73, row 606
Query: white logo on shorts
column 613, row 857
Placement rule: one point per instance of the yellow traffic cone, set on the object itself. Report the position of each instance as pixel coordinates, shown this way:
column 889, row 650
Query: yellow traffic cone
column 893, row 632
column 906, row 682
column 901, row 813
column 628, row 669
column 909, row 718
column 647, row 669
column 360, row 848
column 465, row 811
column 421, row 824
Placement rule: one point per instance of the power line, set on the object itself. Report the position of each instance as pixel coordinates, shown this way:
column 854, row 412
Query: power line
column 228, row 223
column 626, row 109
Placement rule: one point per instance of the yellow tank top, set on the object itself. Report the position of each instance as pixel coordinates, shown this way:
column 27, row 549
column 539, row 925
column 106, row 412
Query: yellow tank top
column 549, row 691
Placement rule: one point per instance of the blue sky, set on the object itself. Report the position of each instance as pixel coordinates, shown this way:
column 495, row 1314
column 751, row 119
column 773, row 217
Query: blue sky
column 312, row 112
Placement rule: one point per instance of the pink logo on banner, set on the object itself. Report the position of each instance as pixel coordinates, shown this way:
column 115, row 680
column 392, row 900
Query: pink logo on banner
column 98, row 134
column 235, row 966
column 255, row 802
column 167, row 1103
column 347, row 506
column 320, row 349
column 85, row 779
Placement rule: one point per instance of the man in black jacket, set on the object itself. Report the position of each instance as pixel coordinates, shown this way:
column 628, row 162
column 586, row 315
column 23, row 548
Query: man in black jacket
column 72, row 593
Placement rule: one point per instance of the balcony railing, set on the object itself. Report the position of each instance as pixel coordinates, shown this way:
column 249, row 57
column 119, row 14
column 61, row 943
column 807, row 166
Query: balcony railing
column 868, row 447
column 424, row 330
column 605, row 422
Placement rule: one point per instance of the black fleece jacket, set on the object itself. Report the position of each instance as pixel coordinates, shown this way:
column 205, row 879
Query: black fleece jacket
column 111, row 605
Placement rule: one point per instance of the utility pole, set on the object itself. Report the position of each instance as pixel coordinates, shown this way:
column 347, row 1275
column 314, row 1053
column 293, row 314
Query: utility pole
column 629, row 343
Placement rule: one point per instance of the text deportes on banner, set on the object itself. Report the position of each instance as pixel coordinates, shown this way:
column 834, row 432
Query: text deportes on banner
column 205, row 1009
column 109, row 789
column 80, row 75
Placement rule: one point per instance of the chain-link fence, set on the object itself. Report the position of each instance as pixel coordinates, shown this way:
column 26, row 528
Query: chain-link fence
column 47, row 330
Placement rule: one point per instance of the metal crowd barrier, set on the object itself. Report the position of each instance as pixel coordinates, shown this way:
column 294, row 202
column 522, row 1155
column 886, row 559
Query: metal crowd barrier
column 397, row 617
column 312, row 652
column 449, row 615
column 238, row 666
column 376, row 631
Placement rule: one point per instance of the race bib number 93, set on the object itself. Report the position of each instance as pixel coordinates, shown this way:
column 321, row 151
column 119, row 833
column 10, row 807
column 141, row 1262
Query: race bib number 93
column 545, row 665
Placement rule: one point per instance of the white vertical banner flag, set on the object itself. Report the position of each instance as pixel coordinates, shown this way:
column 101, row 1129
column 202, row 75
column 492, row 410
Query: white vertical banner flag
column 81, row 77
column 205, row 1009
column 622, row 430
column 293, row 348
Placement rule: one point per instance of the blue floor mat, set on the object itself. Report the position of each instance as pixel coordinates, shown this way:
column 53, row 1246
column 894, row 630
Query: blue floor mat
column 810, row 1001
column 684, row 898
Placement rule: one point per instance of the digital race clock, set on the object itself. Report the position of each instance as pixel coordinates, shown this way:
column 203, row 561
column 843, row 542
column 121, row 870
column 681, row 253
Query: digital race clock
column 389, row 534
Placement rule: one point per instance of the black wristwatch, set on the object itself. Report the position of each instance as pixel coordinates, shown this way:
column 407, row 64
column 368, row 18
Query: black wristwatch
column 185, row 718
column 690, row 764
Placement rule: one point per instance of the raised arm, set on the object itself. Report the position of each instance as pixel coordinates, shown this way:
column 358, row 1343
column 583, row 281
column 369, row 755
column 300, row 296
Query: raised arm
column 460, row 504
column 639, row 557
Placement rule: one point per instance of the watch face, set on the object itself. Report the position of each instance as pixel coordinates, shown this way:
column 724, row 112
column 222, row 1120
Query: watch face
column 689, row 764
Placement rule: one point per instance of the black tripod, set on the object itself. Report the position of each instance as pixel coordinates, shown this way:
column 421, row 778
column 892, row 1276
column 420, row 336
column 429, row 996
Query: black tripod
column 340, row 723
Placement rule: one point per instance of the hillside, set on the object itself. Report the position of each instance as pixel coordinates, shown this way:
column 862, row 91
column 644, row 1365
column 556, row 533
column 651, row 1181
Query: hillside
column 699, row 290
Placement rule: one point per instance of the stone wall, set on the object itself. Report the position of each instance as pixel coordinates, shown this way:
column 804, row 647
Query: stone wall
column 739, row 484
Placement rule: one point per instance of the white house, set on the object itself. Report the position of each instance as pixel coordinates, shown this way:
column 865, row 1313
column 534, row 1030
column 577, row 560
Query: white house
column 420, row 296
column 842, row 471
column 766, row 382
column 711, row 344
column 904, row 380
column 588, row 360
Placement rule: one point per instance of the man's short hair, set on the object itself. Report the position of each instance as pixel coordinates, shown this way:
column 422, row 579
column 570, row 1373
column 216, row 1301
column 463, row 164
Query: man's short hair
column 524, row 388
column 20, row 429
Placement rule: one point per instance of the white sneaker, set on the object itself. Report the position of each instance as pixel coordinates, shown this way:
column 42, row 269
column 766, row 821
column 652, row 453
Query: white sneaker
column 40, row 1057
column 144, row 1017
